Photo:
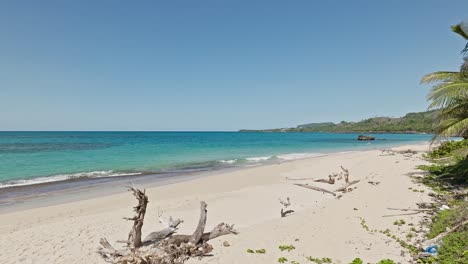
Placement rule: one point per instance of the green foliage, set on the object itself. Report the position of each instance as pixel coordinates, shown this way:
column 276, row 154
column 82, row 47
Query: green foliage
column 357, row 261
column 429, row 260
column 447, row 149
column 320, row 260
column 258, row 251
column 447, row 218
column 286, row 247
column 399, row 222
column 458, row 29
column 454, row 248
column 282, row 260
column 446, row 177
column 387, row 232
column 386, row 261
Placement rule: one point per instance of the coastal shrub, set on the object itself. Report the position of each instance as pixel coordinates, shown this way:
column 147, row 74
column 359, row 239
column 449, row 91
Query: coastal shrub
column 446, row 177
column 454, row 248
column 399, row 222
column 447, row 148
column 357, row 261
column 386, row 261
column 320, row 260
column 447, row 218
column 286, row 247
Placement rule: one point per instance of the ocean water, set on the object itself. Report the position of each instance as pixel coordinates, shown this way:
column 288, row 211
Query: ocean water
column 36, row 157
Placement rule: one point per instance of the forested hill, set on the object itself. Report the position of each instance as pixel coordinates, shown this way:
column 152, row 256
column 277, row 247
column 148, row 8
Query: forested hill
column 410, row 123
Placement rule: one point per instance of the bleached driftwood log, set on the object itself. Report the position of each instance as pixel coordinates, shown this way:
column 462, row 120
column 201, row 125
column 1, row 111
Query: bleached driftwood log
column 285, row 213
column 285, row 203
column 134, row 237
column 162, row 247
column 345, row 188
column 170, row 227
column 315, row 188
column 346, row 173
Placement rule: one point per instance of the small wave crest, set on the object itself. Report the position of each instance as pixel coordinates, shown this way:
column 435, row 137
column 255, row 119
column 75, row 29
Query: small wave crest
column 266, row 159
column 65, row 177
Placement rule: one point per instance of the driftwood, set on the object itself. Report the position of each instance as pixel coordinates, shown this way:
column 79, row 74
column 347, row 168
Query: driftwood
column 413, row 213
column 285, row 213
column 346, row 173
column 285, row 203
column 345, row 188
column 171, row 226
column 134, row 237
column 331, row 179
column 299, row 179
column 315, row 188
column 410, row 209
column 162, row 247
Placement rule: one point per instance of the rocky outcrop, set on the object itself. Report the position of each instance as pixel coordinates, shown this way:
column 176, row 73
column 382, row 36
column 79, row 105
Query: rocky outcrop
column 363, row 137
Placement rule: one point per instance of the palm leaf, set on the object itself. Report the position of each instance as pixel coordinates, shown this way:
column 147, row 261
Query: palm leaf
column 440, row 76
column 442, row 94
column 459, row 30
column 454, row 127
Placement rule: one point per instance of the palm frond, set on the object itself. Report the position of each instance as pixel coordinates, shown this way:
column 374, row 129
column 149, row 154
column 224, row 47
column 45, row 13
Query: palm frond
column 443, row 94
column 453, row 127
column 440, row 76
column 459, row 30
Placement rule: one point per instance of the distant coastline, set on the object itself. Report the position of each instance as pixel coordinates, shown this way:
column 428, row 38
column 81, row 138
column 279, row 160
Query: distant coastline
column 411, row 123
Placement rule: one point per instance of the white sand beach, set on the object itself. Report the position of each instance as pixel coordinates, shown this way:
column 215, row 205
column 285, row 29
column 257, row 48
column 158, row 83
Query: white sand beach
column 322, row 225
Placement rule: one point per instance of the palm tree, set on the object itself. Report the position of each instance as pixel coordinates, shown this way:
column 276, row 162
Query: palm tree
column 462, row 30
column 450, row 95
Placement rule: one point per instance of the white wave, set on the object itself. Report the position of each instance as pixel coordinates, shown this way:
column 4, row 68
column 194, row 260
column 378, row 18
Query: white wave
column 259, row 159
column 296, row 156
column 64, row 177
column 228, row 161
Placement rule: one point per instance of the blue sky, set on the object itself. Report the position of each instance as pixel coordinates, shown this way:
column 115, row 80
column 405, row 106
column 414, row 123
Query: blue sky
column 218, row 65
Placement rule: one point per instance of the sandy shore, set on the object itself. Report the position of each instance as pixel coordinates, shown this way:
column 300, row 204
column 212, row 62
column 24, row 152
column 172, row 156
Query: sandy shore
column 322, row 226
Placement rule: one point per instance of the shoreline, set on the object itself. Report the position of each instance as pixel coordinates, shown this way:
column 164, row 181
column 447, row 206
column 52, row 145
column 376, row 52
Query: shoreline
column 69, row 231
column 21, row 197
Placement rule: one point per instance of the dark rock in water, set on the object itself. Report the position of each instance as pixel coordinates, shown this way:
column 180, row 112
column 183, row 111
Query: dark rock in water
column 363, row 137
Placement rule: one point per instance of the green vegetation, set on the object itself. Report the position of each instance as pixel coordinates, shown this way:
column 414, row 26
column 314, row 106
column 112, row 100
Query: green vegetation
column 410, row 123
column 386, row 261
column 447, row 218
column 449, row 177
column 282, row 260
column 319, row 260
column 286, row 247
column 357, row 261
column 399, row 222
column 452, row 148
column 258, row 251
column 454, row 248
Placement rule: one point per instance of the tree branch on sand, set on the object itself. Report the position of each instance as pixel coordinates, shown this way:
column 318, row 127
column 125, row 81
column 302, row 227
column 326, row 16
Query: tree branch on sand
column 162, row 247
column 315, row 188
column 344, row 174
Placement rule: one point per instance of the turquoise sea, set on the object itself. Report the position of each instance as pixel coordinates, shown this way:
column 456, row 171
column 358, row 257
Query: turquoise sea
column 36, row 157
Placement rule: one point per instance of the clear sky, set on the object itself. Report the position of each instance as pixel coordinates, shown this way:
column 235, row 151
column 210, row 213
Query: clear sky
column 218, row 65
